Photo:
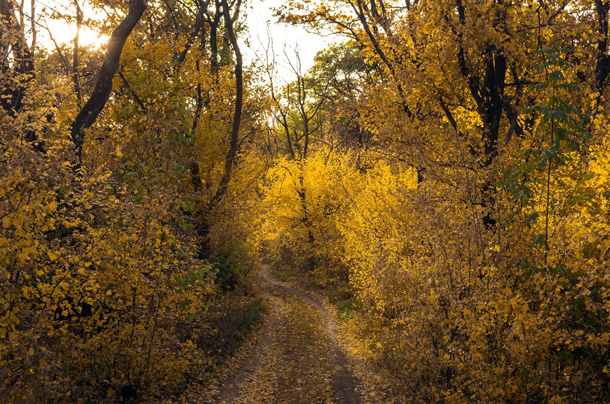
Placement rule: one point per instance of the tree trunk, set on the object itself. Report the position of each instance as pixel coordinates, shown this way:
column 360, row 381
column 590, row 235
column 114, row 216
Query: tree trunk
column 204, row 226
column 103, row 82
column 602, row 67
column 14, row 81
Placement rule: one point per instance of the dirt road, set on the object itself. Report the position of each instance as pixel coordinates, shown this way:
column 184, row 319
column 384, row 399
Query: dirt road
column 296, row 359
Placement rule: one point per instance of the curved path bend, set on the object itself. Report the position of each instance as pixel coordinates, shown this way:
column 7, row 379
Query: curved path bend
column 297, row 358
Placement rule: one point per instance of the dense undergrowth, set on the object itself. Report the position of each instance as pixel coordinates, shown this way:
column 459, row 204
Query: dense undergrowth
column 104, row 297
column 112, row 288
column 466, row 205
column 451, row 314
column 442, row 175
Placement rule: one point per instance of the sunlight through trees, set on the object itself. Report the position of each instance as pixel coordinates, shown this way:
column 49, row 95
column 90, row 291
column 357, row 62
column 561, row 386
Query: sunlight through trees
column 441, row 174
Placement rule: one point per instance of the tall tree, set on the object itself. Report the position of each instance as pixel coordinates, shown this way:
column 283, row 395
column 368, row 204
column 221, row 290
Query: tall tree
column 16, row 60
column 104, row 76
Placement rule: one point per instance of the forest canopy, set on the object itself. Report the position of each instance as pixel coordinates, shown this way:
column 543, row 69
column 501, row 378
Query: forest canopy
column 444, row 168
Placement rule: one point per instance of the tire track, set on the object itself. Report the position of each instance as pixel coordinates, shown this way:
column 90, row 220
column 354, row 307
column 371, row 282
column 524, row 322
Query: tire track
column 279, row 296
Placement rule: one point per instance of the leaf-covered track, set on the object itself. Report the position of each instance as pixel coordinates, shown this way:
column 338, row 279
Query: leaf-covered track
column 297, row 359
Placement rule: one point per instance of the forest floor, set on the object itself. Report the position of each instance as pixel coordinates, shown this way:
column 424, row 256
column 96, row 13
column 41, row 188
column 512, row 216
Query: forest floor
column 295, row 357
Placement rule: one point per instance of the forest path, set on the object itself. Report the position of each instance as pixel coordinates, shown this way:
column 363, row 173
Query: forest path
column 296, row 358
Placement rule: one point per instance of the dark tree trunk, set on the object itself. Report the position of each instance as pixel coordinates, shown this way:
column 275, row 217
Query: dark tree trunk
column 602, row 68
column 491, row 106
column 239, row 95
column 214, row 41
column 204, row 226
column 14, row 81
column 103, row 81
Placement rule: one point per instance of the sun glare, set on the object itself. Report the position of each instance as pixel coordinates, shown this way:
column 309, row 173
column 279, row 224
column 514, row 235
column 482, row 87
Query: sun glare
column 60, row 28
column 89, row 37
column 62, row 33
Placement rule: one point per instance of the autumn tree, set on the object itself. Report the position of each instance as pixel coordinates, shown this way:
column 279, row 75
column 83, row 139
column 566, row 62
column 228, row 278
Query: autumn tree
column 101, row 281
column 498, row 108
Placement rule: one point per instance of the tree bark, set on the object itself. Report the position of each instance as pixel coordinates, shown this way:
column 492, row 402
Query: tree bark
column 239, row 95
column 204, row 226
column 602, row 67
column 14, row 81
column 103, row 82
